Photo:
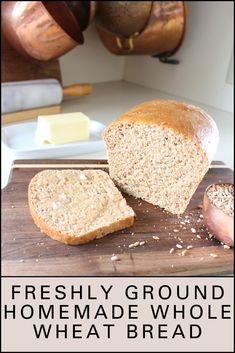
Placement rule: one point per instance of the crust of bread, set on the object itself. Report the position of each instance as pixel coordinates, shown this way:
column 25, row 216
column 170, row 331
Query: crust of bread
column 190, row 121
column 81, row 239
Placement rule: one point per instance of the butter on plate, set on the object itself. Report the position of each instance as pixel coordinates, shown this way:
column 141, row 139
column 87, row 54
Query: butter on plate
column 62, row 128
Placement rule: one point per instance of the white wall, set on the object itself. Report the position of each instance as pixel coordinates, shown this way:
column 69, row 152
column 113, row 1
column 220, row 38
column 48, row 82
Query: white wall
column 205, row 69
column 91, row 62
column 204, row 58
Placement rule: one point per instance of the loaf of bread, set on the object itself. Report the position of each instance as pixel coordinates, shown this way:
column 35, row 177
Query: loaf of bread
column 75, row 207
column 160, row 151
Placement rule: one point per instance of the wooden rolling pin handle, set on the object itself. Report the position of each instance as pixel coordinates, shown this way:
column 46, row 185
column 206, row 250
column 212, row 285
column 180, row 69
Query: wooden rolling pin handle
column 77, row 90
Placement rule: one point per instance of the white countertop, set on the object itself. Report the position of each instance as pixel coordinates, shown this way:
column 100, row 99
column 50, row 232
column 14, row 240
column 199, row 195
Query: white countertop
column 110, row 99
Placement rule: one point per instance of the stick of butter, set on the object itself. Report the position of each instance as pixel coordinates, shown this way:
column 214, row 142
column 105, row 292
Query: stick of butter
column 62, row 128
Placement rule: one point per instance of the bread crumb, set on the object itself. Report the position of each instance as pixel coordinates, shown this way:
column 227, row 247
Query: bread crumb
column 193, row 230
column 132, row 233
column 176, row 230
column 198, row 236
column 122, row 203
column 134, row 245
column 36, row 260
column 179, row 246
column 82, row 176
column 172, row 250
column 22, row 260
column 55, row 206
column 12, row 206
column 213, row 255
column 189, row 247
column 201, row 216
column 226, row 246
column 142, row 243
column 62, row 196
column 156, row 237
column 184, row 252
column 115, row 258
column 182, row 222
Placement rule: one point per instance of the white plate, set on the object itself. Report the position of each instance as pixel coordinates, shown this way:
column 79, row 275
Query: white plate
column 20, row 140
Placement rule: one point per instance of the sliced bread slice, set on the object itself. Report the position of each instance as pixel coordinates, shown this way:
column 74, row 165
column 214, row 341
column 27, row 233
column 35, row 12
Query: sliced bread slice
column 75, row 207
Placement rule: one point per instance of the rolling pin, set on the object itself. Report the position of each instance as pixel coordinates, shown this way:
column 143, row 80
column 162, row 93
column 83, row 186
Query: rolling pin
column 24, row 95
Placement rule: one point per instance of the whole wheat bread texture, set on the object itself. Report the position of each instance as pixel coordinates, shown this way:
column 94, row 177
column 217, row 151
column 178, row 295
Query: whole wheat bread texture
column 160, row 151
column 75, row 207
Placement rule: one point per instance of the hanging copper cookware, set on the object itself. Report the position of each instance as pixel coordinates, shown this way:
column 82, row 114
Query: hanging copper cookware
column 42, row 30
column 48, row 29
column 162, row 35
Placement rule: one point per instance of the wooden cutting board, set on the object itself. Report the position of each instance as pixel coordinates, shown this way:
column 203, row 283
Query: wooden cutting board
column 26, row 251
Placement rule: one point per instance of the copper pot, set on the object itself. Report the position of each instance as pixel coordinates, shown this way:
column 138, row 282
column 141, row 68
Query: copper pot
column 163, row 33
column 40, row 29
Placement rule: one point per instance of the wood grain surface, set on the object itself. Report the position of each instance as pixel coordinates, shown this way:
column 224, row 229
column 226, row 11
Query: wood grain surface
column 29, row 114
column 26, row 251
